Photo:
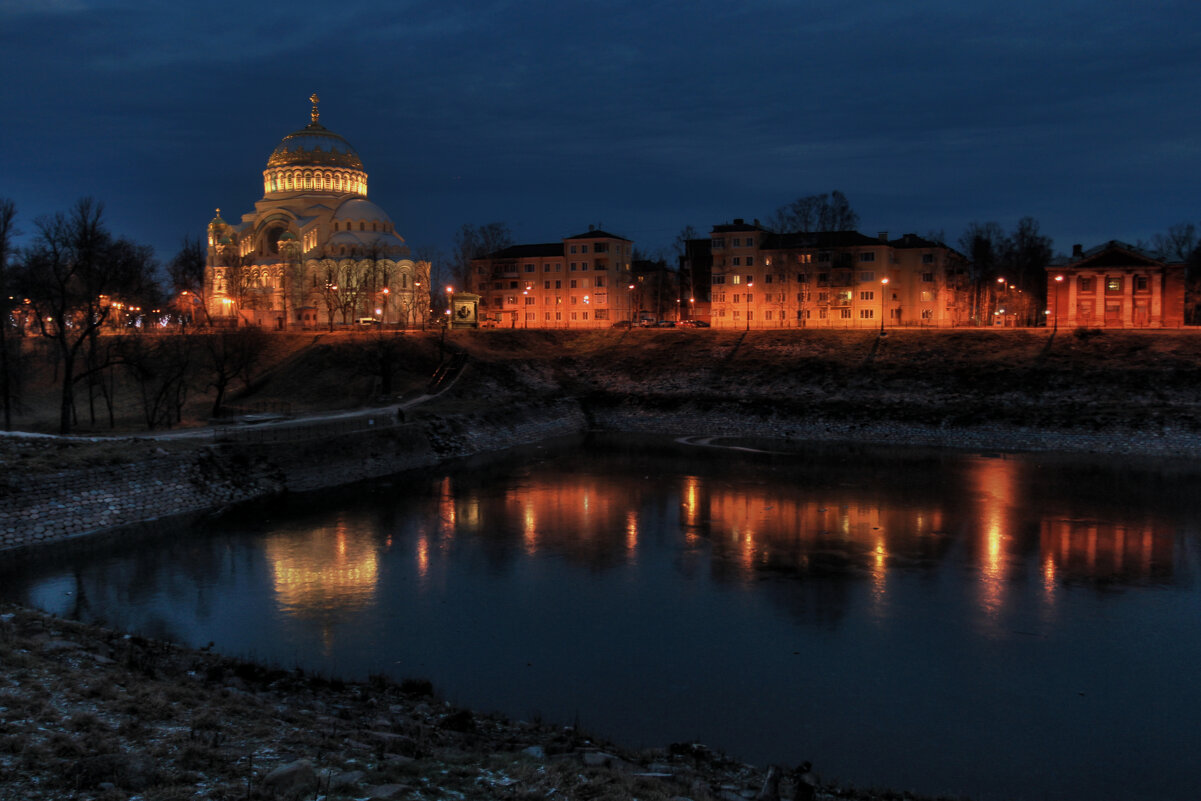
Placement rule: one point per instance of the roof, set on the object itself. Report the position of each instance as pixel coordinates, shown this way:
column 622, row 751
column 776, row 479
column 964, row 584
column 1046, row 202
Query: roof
column 597, row 234
column 818, row 239
column 1113, row 253
column 541, row 250
column 737, row 226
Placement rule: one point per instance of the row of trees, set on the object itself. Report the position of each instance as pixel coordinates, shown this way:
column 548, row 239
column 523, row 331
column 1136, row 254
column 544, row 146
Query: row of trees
column 75, row 279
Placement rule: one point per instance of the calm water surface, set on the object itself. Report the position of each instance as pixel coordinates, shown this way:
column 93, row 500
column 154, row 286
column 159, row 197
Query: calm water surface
column 999, row 626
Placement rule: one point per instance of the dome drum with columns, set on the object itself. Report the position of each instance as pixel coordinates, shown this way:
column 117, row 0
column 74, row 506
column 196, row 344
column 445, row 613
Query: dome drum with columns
column 314, row 251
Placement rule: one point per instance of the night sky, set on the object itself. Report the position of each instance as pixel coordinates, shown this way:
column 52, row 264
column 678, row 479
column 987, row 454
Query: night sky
column 641, row 116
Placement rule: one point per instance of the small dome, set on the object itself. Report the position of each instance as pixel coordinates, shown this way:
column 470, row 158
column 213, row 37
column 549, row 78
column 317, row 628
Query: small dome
column 314, row 145
column 361, row 209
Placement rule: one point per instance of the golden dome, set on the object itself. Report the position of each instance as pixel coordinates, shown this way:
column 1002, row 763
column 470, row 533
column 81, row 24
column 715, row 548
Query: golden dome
column 315, row 145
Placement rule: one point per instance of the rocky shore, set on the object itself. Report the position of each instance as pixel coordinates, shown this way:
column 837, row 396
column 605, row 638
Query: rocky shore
column 88, row 713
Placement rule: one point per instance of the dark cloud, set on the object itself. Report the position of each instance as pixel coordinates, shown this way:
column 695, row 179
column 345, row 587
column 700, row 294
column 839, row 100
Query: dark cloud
column 643, row 115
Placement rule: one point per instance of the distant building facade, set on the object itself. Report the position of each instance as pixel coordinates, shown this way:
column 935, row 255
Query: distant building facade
column 583, row 281
column 1115, row 285
column 832, row 279
column 314, row 251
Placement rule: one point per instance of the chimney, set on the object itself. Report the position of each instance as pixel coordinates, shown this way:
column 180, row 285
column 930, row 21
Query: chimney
column 1077, row 251
column 883, row 237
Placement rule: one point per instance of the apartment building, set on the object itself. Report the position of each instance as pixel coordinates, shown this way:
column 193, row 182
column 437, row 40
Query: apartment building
column 831, row 279
column 582, row 281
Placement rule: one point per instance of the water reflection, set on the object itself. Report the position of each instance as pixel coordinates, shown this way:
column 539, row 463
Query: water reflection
column 843, row 601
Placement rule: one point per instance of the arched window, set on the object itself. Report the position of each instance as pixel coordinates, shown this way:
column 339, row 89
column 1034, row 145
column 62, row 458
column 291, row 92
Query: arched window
column 362, row 226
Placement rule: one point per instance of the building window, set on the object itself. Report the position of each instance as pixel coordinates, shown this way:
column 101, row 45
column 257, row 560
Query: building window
column 869, row 256
column 717, row 242
column 737, row 298
column 804, row 258
column 546, row 284
column 558, row 284
column 822, row 314
column 867, row 314
column 737, row 280
column 737, row 259
column 574, row 285
column 927, row 314
column 868, row 295
column 1141, row 283
column 598, row 281
column 1113, row 284
column 802, row 278
column 844, row 314
column 927, row 296
column 573, row 248
column 529, row 268
column 767, row 278
column 750, row 261
column 749, row 297
column 928, row 278
column 530, row 301
column 927, row 258
column 867, row 275
column 1085, row 284
column 719, row 279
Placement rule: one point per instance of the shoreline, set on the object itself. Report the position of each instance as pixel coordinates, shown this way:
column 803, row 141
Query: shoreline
column 106, row 493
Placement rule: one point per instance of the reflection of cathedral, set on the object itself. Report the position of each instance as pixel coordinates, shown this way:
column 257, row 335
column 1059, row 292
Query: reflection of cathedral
column 315, row 250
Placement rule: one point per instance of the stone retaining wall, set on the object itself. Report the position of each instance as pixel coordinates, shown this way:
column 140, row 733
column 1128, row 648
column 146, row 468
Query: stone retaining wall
column 732, row 421
column 40, row 508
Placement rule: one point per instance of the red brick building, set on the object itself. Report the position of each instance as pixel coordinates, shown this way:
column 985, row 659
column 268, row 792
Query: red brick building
column 1115, row 285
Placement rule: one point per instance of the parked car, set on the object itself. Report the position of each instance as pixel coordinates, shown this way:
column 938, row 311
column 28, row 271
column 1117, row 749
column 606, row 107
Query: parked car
column 666, row 324
column 692, row 324
column 367, row 321
column 621, row 324
column 646, row 323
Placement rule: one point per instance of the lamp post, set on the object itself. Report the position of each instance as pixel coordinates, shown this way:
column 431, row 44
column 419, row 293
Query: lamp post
column 1058, row 284
column 630, row 302
column 883, row 296
column 749, row 285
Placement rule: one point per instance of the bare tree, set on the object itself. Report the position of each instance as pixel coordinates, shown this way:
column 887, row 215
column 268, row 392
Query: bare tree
column 8, row 212
column 474, row 242
column 73, row 273
column 185, row 274
column 160, row 367
column 829, row 211
column 230, row 355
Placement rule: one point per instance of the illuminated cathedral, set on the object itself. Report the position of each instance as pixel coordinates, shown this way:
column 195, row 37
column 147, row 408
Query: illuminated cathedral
column 314, row 251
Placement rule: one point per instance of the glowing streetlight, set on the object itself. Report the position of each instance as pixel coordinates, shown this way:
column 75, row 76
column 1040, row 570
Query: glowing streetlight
column 883, row 295
column 1058, row 284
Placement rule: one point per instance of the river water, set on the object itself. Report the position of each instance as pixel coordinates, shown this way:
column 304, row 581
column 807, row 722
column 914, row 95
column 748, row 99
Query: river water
column 996, row 625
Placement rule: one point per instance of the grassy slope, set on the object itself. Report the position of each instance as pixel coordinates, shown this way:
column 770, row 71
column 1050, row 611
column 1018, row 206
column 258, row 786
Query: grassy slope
column 1137, row 379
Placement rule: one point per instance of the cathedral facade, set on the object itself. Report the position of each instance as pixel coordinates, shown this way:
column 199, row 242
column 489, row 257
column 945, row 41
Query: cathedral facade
column 314, row 252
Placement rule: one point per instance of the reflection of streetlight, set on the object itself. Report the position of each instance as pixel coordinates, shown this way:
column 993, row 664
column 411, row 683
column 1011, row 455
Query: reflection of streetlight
column 883, row 295
column 1058, row 284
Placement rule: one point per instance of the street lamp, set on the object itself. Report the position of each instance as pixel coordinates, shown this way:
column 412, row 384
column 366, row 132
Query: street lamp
column 883, row 295
column 749, row 285
column 1058, row 284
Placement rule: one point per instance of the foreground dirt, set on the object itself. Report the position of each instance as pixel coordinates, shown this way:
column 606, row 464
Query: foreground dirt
column 87, row 713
